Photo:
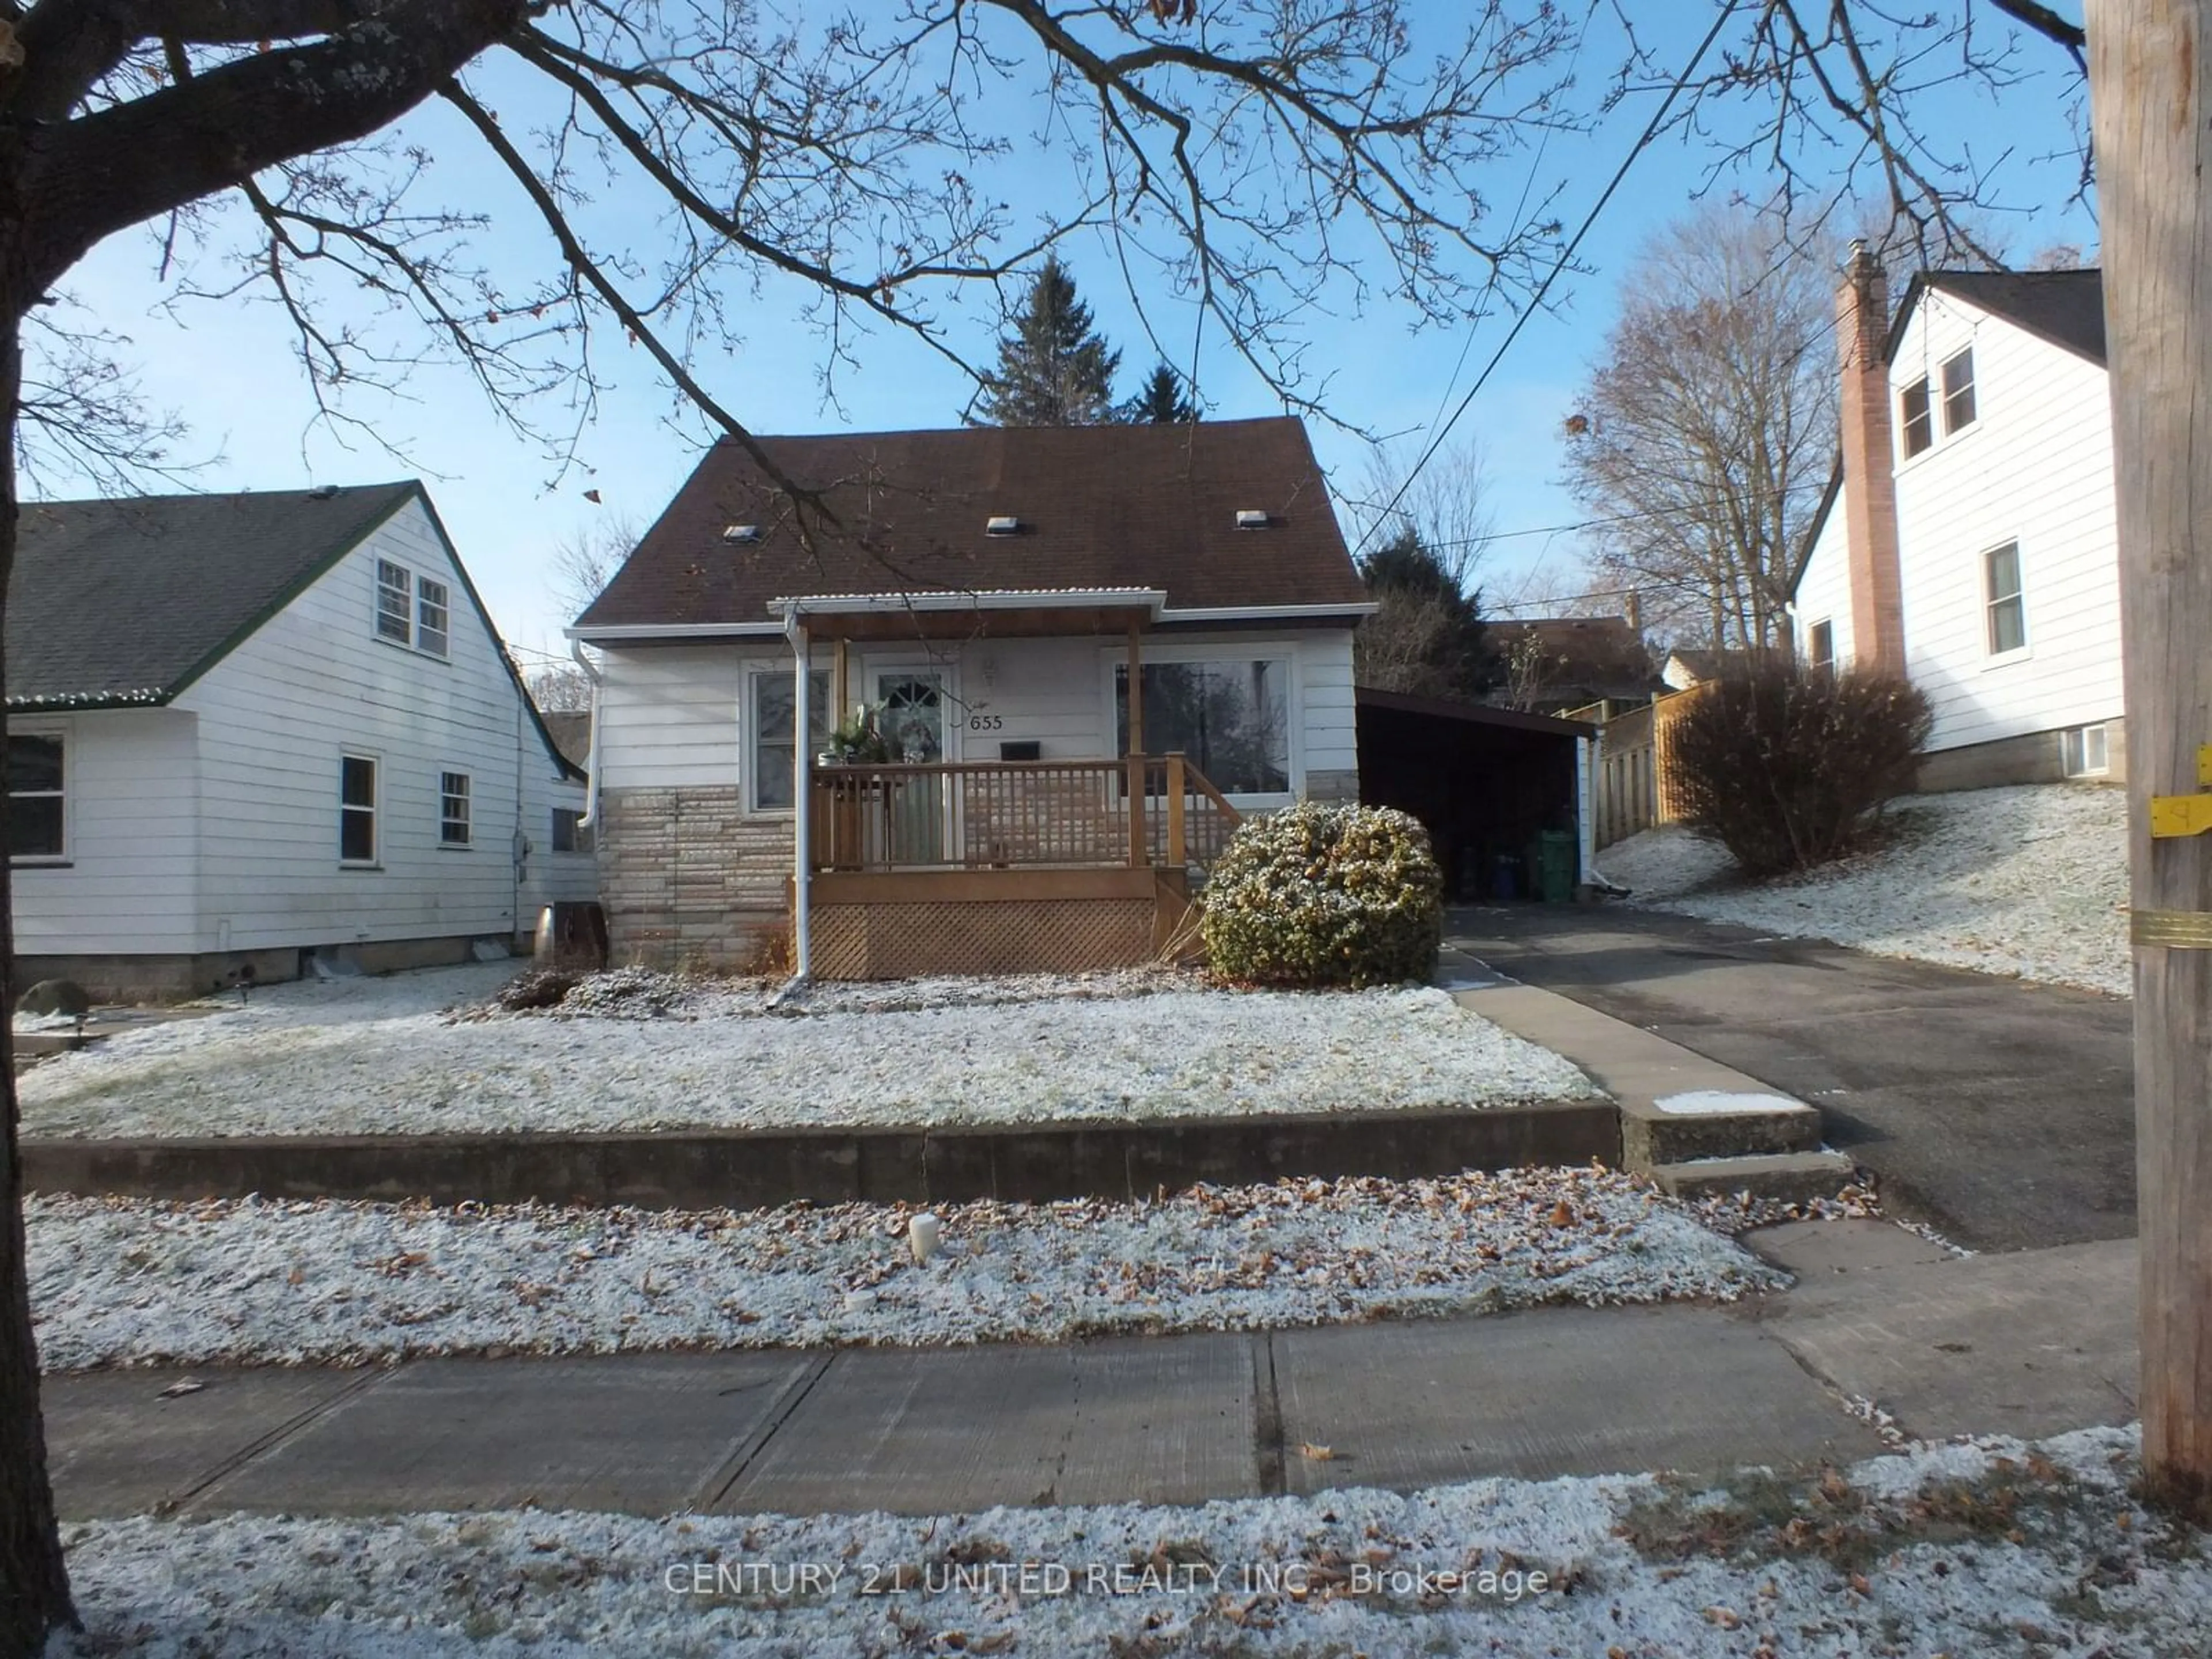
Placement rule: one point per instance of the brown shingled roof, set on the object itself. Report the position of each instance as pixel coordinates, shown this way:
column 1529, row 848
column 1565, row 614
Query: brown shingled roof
column 1100, row 506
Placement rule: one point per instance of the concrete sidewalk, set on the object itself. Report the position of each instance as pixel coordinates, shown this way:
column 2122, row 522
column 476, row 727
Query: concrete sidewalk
column 2029, row 1343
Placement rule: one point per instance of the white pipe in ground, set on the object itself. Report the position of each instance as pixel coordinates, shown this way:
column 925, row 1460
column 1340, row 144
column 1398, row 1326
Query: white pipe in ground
column 923, row 1238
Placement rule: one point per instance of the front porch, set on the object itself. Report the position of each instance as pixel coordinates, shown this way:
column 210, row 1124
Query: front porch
column 1004, row 866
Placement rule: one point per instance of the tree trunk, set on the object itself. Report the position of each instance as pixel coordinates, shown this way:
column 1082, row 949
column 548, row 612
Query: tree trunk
column 34, row 1595
column 2150, row 103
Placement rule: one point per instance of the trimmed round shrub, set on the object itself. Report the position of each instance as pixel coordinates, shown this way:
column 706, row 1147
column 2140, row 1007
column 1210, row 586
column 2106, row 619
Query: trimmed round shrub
column 1325, row 896
column 1788, row 765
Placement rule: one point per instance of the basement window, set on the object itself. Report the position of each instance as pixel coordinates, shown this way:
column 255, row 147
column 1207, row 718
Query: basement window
column 2087, row 751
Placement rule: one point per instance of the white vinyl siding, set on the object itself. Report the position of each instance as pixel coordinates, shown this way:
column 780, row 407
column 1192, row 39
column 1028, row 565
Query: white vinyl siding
column 131, row 801
column 2034, row 469
column 1824, row 591
column 313, row 683
column 675, row 716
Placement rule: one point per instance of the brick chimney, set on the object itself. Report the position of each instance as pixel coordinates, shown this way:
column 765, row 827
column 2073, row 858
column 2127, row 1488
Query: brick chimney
column 1869, row 483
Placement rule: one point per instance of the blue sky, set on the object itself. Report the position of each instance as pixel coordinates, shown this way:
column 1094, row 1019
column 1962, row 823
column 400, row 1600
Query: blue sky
column 227, row 368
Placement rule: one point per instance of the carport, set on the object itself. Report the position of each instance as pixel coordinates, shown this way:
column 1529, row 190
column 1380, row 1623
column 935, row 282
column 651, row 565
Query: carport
column 1486, row 782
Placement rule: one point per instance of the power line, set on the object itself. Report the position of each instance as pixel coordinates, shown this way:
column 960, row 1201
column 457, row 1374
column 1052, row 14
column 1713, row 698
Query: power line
column 1685, row 508
column 1567, row 253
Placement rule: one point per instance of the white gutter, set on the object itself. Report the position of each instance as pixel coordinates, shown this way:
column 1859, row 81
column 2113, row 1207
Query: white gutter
column 766, row 630
column 1268, row 612
column 843, row 605
column 802, row 808
column 591, row 815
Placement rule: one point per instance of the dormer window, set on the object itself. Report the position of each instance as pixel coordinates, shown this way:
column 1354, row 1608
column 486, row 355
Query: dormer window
column 394, row 601
column 412, row 610
column 432, row 616
column 1958, row 391
column 1918, row 426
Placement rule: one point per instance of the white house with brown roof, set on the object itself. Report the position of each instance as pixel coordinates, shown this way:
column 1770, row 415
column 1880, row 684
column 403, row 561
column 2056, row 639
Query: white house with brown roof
column 251, row 731
column 1083, row 653
column 1968, row 538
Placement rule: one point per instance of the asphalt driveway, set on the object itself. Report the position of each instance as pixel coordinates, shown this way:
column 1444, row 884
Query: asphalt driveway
column 2000, row 1113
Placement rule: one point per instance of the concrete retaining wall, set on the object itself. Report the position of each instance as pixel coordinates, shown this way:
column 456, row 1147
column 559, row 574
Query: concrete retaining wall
column 749, row 1168
column 2035, row 757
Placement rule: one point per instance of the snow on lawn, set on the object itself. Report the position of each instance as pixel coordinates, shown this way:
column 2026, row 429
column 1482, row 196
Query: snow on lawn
column 119, row 1281
column 646, row 1052
column 1987, row 1548
column 2030, row 881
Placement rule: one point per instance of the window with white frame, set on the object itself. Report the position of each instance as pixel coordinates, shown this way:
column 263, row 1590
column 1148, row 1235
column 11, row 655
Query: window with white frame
column 431, row 615
column 1918, row 429
column 1820, row 645
column 452, row 809
column 2087, row 751
column 1229, row 716
column 36, row 820
column 2006, row 607
column 771, row 758
column 1958, row 391
column 570, row 833
column 395, row 585
column 357, row 809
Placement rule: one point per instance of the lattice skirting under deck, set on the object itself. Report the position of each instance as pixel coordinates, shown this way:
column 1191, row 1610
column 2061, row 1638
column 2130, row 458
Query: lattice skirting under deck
column 899, row 941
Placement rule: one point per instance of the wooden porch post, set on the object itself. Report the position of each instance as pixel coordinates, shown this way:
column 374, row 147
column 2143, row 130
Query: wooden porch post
column 1140, row 853
column 1177, row 857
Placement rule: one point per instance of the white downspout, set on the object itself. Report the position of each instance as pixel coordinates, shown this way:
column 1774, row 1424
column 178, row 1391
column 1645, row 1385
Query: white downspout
column 1586, row 811
column 802, row 807
column 591, row 815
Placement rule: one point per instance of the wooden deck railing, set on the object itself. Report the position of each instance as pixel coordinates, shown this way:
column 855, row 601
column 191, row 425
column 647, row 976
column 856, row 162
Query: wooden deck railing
column 995, row 815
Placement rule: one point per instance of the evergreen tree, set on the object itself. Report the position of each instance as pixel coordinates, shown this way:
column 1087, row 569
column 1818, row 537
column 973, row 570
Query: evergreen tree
column 1053, row 370
column 1161, row 403
column 1428, row 637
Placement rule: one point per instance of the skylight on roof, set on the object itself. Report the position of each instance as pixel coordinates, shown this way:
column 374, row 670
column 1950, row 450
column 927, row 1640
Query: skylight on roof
column 741, row 532
column 1003, row 524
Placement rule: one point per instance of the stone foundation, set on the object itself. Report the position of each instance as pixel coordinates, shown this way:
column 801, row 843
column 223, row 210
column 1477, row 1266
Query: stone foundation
column 181, row 977
column 1333, row 785
column 688, row 879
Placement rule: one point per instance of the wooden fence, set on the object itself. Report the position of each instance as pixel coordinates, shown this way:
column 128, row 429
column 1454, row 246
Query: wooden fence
column 1635, row 784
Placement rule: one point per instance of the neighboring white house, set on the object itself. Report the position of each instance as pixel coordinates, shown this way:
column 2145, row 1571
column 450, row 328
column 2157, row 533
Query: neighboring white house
column 1968, row 536
column 244, row 730
column 987, row 592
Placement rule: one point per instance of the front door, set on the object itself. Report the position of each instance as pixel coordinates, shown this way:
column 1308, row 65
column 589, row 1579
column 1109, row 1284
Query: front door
column 914, row 704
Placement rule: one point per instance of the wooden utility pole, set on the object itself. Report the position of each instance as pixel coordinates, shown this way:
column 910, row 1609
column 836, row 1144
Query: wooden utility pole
column 2152, row 125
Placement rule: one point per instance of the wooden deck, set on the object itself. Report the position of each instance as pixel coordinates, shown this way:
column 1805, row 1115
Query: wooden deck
column 1008, row 866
